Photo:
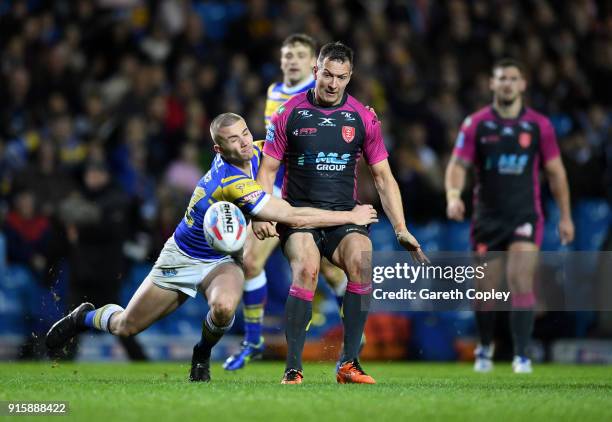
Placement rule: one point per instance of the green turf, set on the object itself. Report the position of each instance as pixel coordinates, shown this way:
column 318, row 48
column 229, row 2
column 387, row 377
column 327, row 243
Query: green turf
column 405, row 391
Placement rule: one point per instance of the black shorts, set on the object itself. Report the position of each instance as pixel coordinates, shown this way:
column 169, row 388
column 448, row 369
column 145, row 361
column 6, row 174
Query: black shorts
column 327, row 239
column 495, row 234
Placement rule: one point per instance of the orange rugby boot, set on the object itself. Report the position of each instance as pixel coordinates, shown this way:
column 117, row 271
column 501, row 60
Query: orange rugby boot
column 350, row 372
column 292, row 376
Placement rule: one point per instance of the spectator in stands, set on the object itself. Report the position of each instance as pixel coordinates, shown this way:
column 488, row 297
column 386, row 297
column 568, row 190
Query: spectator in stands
column 27, row 233
column 96, row 222
column 77, row 73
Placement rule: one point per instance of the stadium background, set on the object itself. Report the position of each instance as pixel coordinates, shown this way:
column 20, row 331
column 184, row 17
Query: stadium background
column 131, row 87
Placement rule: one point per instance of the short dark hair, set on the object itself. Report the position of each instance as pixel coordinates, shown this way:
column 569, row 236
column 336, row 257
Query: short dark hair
column 336, row 51
column 304, row 39
column 508, row 62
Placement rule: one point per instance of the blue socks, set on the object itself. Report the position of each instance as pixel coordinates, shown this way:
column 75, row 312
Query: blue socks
column 254, row 298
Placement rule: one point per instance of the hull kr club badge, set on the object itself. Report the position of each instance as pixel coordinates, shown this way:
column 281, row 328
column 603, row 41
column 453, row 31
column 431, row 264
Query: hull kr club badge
column 525, row 139
column 348, row 133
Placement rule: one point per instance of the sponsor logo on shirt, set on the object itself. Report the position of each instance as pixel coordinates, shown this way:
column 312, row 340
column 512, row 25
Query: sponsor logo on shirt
column 327, row 121
column 218, row 164
column 270, row 130
column 348, row 133
column 490, row 125
column 305, row 131
column 347, row 116
column 460, row 140
column 508, row 163
column 331, row 162
column 326, row 161
column 169, row 272
column 508, row 131
column 252, row 197
column 304, row 114
column 524, row 230
column 489, row 139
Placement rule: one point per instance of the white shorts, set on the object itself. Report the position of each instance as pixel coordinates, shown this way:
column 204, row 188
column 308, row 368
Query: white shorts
column 174, row 270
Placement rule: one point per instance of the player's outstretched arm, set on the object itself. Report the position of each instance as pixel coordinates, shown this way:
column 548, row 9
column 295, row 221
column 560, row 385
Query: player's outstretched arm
column 265, row 177
column 391, row 200
column 557, row 180
column 454, row 182
column 279, row 210
column 267, row 172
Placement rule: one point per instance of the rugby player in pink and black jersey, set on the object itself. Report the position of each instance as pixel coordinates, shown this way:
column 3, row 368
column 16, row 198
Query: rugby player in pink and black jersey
column 508, row 144
column 298, row 56
column 320, row 135
column 188, row 265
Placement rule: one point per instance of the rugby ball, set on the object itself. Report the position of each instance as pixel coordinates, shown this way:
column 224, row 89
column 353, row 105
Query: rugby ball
column 225, row 227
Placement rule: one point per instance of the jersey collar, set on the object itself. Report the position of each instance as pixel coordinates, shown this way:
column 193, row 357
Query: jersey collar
column 227, row 163
column 311, row 99
column 522, row 111
column 297, row 88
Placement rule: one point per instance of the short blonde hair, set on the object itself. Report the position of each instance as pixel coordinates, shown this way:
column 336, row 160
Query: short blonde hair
column 222, row 120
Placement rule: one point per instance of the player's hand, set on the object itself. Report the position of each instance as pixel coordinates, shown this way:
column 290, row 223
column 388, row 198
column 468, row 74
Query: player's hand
column 566, row 230
column 264, row 229
column 371, row 110
column 455, row 209
column 409, row 242
column 364, row 214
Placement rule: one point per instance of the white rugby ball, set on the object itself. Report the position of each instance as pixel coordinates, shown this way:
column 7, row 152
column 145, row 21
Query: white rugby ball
column 225, row 227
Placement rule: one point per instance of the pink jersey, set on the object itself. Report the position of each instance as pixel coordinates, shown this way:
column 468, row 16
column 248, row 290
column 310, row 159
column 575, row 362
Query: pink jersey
column 320, row 147
column 507, row 155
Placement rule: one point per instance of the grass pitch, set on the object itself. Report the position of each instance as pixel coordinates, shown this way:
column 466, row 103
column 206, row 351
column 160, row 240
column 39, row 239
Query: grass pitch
column 405, row 391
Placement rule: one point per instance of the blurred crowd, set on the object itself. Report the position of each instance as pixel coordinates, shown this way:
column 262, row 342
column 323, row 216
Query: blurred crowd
column 105, row 104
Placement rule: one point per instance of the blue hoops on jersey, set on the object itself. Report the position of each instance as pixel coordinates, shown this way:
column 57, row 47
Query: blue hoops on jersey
column 278, row 94
column 223, row 182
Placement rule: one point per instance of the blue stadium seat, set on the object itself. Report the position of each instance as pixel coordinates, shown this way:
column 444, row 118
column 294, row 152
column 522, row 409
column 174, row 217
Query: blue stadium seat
column 456, row 236
column 279, row 279
column 12, row 320
column 137, row 274
column 592, row 218
column 433, row 336
column 25, row 306
column 551, row 241
column 430, row 235
column 383, row 236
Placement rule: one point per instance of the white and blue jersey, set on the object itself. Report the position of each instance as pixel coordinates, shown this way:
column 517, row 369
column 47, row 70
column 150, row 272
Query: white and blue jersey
column 223, row 182
column 278, row 94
